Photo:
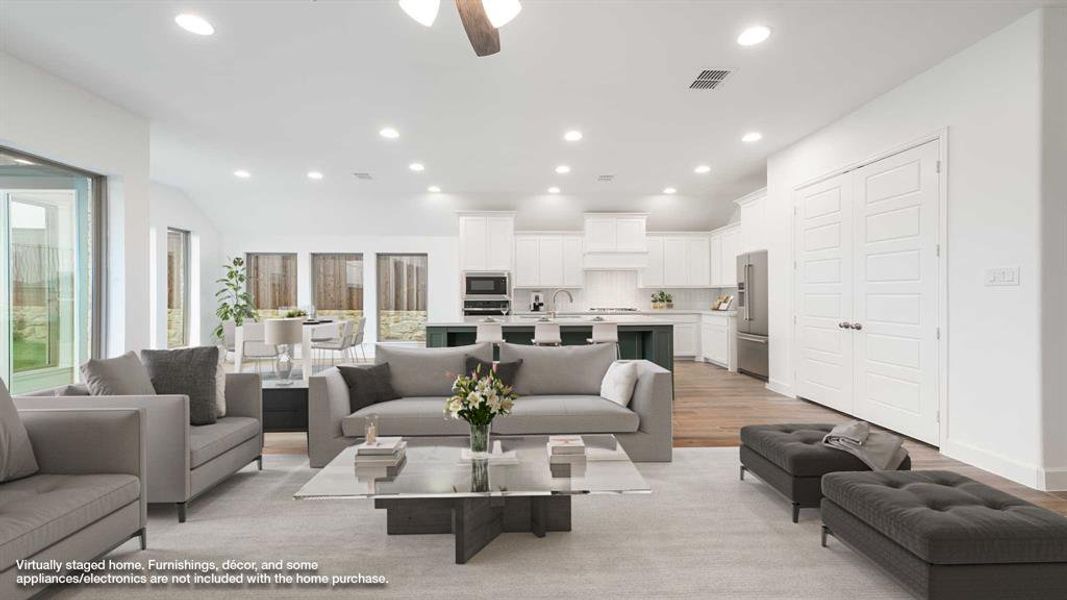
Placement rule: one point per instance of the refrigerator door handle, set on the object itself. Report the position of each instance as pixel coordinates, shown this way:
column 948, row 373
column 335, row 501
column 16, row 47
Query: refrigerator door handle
column 752, row 338
column 748, row 286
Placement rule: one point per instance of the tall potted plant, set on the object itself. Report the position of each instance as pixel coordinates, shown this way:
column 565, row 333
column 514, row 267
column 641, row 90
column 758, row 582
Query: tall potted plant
column 235, row 304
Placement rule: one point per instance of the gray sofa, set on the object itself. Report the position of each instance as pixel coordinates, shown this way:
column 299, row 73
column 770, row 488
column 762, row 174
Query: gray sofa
column 559, row 390
column 87, row 498
column 185, row 460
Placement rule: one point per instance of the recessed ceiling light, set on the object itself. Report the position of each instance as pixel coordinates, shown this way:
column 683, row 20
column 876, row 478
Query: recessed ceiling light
column 433, row 189
column 501, row 12
column 701, row 169
column 194, row 24
column 669, row 190
column 389, row 133
column 314, row 175
column 417, row 167
column 563, row 169
column 573, row 135
column 23, row 161
column 754, row 35
column 242, row 174
column 553, row 190
column 752, row 136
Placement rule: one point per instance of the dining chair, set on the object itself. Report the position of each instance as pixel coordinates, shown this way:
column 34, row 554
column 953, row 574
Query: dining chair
column 340, row 343
column 254, row 346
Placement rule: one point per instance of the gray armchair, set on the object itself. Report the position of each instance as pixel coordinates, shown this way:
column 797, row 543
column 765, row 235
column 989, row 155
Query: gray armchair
column 88, row 496
column 184, row 461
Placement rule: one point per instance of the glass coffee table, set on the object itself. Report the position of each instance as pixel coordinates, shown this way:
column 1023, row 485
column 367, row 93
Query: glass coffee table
column 438, row 489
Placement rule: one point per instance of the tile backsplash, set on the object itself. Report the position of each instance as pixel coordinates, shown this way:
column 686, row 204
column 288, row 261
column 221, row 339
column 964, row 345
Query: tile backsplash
column 619, row 289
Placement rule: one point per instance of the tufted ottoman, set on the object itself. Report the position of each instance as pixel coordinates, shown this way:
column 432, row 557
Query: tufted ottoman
column 792, row 459
column 944, row 536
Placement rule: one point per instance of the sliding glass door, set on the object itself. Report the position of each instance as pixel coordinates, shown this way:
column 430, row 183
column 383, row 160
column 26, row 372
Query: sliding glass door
column 45, row 287
column 402, row 283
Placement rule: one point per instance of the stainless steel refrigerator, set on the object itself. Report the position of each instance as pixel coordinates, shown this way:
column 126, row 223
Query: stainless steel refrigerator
column 752, row 314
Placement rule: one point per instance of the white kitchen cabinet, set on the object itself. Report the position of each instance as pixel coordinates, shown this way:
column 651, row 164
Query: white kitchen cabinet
column 717, row 339
column 486, row 241
column 685, row 339
column 751, row 211
column 630, row 234
column 723, row 251
column 573, row 274
column 548, row 260
column 615, row 232
column 677, row 261
column 715, row 244
column 652, row 274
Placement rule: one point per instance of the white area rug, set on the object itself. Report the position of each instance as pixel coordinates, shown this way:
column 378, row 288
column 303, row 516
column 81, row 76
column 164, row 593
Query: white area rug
column 702, row 533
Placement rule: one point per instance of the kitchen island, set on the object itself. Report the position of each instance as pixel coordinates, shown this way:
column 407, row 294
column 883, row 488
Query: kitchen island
column 640, row 336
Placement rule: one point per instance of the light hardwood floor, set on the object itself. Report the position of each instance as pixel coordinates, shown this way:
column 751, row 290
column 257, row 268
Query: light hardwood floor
column 711, row 405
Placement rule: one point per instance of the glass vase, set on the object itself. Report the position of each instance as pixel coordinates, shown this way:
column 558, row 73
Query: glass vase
column 480, row 441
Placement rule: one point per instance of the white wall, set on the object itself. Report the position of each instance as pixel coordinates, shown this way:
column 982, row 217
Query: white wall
column 171, row 207
column 47, row 116
column 443, row 285
column 989, row 98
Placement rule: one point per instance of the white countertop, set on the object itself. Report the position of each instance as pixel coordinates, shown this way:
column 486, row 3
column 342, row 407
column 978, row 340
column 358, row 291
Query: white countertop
column 658, row 317
column 666, row 312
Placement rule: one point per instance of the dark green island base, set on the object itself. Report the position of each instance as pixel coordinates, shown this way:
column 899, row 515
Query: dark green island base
column 654, row 343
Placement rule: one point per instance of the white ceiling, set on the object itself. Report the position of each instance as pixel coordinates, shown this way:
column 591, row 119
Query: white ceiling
column 284, row 87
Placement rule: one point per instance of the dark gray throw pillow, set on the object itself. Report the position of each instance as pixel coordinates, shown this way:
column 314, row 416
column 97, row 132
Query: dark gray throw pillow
column 188, row 371
column 506, row 371
column 368, row 385
column 120, row 376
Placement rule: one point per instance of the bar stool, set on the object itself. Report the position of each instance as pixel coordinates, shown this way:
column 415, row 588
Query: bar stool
column 489, row 333
column 606, row 333
column 547, row 334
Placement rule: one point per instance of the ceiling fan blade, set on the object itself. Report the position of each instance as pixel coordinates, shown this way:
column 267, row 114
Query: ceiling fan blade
column 483, row 36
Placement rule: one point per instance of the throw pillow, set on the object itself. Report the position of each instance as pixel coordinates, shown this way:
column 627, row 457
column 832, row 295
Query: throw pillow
column 120, row 376
column 368, row 385
column 619, row 381
column 16, row 452
column 505, row 371
column 187, row 371
column 220, row 384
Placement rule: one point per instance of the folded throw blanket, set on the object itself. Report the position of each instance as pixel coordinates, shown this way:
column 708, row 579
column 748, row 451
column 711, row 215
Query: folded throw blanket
column 878, row 450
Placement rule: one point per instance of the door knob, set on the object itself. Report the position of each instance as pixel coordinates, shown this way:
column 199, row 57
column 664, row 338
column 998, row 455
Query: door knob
column 844, row 325
column 857, row 326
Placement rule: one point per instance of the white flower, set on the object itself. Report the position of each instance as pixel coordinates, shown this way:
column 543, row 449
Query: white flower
column 474, row 399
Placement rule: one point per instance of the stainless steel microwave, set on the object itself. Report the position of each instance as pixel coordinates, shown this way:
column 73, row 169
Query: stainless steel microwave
column 486, row 285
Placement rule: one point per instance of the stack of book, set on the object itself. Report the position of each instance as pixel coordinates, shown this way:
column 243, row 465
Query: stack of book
column 565, row 447
column 383, row 452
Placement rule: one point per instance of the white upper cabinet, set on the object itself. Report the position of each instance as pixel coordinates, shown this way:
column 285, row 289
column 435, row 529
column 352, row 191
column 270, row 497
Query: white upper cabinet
column 753, row 222
column 723, row 251
column 486, row 241
column 677, row 261
column 600, row 234
column 548, row 260
column 630, row 234
column 615, row 241
column 715, row 243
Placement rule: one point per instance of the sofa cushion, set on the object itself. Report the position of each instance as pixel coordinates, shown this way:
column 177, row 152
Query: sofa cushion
column 209, row 441
column 120, row 376
column 367, row 385
column 619, row 382
column 188, row 371
column 406, row 416
column 39, row 511
column 945, row 518
column 16, row 451
column 534, row 415
column 421, row 372
column 798, row 449
column 550, row 370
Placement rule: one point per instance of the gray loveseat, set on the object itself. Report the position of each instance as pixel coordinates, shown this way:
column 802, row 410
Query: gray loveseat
column 559, row 391
column 87, row 498
column 184, row 460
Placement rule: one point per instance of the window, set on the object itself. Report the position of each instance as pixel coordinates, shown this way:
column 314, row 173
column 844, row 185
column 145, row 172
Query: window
column 402, row 297
column 50, row 271
column 337, row 285
column 272, row 283
column 177, row 288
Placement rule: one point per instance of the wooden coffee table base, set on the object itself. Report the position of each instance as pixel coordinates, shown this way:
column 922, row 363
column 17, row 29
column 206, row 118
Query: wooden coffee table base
column 476, row 521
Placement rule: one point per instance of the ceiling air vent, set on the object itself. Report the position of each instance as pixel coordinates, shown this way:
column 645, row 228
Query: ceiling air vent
column 710, row 79
column 607, row 178
column 362, row 175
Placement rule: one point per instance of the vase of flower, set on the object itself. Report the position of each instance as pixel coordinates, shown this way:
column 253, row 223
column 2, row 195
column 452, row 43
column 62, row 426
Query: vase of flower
column 478, row 399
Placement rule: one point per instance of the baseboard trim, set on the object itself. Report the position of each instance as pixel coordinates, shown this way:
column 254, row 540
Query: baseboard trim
column 1019, row 472
column 780, row 388
column 1054, row 480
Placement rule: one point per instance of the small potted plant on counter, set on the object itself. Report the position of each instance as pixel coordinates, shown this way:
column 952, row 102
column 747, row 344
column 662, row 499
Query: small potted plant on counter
column 661, row 300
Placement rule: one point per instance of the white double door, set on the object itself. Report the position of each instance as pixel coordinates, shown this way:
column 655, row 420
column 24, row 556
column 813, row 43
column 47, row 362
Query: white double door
column 868, row 289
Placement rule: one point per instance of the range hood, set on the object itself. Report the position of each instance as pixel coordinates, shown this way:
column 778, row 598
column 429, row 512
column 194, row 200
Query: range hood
column 615, row 242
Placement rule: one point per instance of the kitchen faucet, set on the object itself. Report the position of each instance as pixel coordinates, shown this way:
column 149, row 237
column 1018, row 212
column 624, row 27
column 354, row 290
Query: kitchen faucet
column 555, row 304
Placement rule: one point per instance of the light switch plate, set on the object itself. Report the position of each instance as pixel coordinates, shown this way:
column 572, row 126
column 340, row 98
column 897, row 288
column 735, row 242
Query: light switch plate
column 1002, row 276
